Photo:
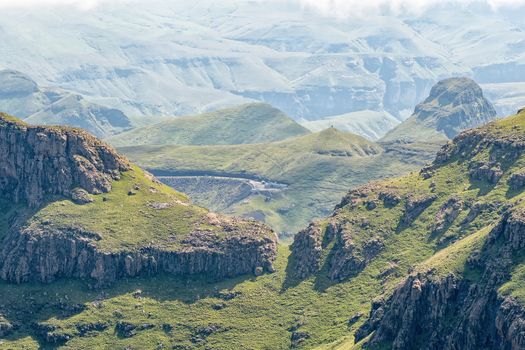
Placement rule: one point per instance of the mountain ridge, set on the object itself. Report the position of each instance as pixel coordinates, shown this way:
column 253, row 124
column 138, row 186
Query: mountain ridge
column 244, row 124
column 23, row 97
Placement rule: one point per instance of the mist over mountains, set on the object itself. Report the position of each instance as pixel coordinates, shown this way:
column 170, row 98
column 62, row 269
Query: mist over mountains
column 169, row 58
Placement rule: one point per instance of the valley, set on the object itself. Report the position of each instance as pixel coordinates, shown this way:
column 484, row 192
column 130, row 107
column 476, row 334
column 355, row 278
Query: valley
column 220, row 192
column 446, row 221
column 316, row 167
column 262, row 175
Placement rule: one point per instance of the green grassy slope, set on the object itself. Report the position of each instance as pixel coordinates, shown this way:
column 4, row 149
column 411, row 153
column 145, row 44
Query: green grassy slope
column 129, row 221
column 317, row 168
column 264, row 312
column 250, row 123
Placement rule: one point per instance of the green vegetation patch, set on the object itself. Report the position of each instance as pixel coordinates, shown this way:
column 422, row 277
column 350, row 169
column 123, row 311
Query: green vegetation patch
column 137, row 212
column 249, row 123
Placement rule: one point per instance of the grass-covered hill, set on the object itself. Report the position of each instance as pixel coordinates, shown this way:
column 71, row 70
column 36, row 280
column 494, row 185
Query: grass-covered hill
column 316, row 169
column 456, row 229
column 450, row 236
column 249, row 123
column 70, row 207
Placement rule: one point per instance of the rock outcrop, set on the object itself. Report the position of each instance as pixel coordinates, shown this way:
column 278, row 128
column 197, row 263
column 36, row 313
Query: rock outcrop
column 307, row 250
column 36, row 162
column 43, row 254
column 453, row 105
column 517, row 180
column 414, row 206
column 429, row 311
column 41, row 164
column 340, row 240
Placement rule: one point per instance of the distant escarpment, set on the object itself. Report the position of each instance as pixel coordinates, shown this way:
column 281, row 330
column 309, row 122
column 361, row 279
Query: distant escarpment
column 22, row 96
column 39, row 161
column 74, row 208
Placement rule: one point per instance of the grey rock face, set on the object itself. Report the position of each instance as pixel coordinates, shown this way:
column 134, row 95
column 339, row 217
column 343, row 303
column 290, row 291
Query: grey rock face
column 37, row 161
column 517, row 180
column 43, row 254
column 414, row 206
column 307, row 250
column 80, row 196
column 486, row 171
column 446, row 215
column 428, row 311
column 455, row 104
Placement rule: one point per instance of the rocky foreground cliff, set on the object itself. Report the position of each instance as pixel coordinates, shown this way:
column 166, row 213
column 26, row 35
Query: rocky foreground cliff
column 433, row 311
column 75, row 208
column 37, row 162
column 445, row 244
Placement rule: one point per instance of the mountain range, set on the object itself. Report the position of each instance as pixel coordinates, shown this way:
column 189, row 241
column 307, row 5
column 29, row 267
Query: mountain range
column 309, row 65
column 22, row 96
column 245, row 174
column 102, row 255
column 305, row 175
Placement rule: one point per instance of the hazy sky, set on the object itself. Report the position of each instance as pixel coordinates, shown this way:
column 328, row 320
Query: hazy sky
column 346, row 7
column 329, row 7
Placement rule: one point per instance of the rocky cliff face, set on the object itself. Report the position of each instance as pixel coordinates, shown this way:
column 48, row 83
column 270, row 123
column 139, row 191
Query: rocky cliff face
column 341, row 239
column 454, row 105
column 36, row 162
column 39, row 165
column 43, row 254
column 428, row 311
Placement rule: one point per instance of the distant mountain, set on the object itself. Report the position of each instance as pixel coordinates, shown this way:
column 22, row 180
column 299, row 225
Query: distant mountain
column 21, row 96
column 167, row 58
column 249, row 123
column 310, row 173
column 371, row 124
column 453, row 105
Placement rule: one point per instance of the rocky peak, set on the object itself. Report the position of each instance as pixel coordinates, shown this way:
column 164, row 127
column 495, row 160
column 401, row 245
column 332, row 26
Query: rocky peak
column 455, row 91
column 452, row 106
column 38, row 161
column 455, row 104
